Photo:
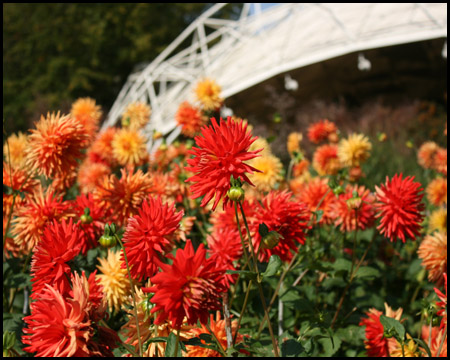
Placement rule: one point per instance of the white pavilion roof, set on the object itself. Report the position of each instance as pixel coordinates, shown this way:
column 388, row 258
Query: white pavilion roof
column 262, row 44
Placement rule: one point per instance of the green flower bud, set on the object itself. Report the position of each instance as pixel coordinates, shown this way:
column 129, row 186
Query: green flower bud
column 236, row 193
column 107, row 241
column 271, row 240
column 338, row 190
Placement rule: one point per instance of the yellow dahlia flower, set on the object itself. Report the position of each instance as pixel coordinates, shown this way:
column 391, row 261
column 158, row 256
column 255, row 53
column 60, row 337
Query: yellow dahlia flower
column 270, row 167
column 208, row 94
column 16, row 152
column 136, row 115
column 438, row 220
column 410, row 348
column 129, row 147
column 354, row 150
column 293, row 142
column 114, row 279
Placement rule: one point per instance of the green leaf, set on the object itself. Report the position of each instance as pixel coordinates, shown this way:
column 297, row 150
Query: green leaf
column 367, row 271
column 390, row 325
column 273, row 266
column 204, row 340
column 170, row 347
column 424, row 345
column 291, row 348
column 342, row 265
column 251, row 275
column 9, row 340
column 263, row 230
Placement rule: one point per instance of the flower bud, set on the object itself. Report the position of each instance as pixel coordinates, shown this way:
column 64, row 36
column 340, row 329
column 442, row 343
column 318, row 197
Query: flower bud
column 236, row 193
column 107, row 241
column 270, row 240
column 338, row 190
column 354, row 203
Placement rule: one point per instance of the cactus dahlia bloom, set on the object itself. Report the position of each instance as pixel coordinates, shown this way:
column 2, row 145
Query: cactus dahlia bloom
column 14, row 150
column 57, row 326
column 90, row 175
column 149, row 236
column 55, row 145
column 222, row 151
column 352, row 214
column 317, row 195
column 190, row 119
column 136, row 115
column 61, row 242
column 38, row 210
column 284, row 215
column 433, row 252
column 101, row 150
column 440, row 161
column 124, row 195
column 426, row 154
column 322, row 130
column 437, row 191
column 114, row 280
column 217, row 326
column 189, row 288
column 325, row 160
column 436, row 339
column 354, row 150
column 128, row 147
column 208, row 94
column 399, row 205
column 88, row 114
column 376, row 344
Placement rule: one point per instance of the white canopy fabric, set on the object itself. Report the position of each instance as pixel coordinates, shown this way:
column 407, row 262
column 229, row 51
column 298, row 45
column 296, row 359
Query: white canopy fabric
column 239, row 54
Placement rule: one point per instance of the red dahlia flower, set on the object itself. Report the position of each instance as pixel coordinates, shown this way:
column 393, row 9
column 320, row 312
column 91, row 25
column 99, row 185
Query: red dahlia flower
column 222, row 152
column 399, row 207
column 149, row 236
column 284, row 215
column 59, row 244
column 93, row 228
column 57, row 327
column 322, row 130
column 188, row 288
column 352, row 213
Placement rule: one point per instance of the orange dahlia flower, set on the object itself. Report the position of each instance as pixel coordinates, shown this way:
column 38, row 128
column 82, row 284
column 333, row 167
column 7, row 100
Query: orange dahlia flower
column 222, row 151
column 322, row 130
column 399, row 205
column 189, row 288
column 149, row 236
column 124, row 195
column 437, row 191
column 440, row 161
column 351, row 213
column 18, row 179
column 436, row 339
column 433, row 252
column 293, row 142
column 101, row 149
column 325, row 160
column 35, row 213
column 426, row 154
column 90, row 175
column 136, row 115
column 217, row 326
column 190, row 119
column 317, row 195
column 88, row 114
column 56, row 145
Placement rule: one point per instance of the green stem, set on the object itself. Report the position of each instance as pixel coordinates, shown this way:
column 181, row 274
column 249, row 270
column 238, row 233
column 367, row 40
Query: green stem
column 133, row 295
column 352, row 276
column 219, row 345
column 442, row 341
column 177, row 342
column 258, row 282
column 242, row 311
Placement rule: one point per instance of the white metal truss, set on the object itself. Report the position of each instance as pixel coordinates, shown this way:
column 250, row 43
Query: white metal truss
column 241, row 53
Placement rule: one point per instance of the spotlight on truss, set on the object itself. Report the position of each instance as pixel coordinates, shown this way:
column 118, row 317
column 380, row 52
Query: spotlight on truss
column 363, row 63
column 290, row 83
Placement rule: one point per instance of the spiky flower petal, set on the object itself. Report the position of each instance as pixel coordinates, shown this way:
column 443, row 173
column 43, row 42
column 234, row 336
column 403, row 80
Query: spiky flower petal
column 433, row 252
